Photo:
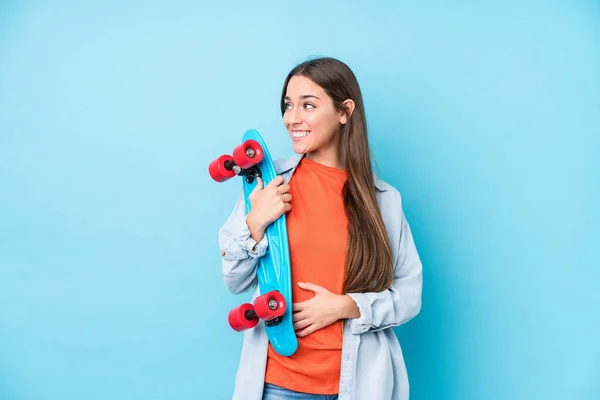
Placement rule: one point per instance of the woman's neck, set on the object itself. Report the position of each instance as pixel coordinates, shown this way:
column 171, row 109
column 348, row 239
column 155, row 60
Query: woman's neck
column 327, row 154
column 330, row 159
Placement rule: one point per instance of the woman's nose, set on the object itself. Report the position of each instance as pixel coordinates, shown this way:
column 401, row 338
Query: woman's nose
column 295, row 116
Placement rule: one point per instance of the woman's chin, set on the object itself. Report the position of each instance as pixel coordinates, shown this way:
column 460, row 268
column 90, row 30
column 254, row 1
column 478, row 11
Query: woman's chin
column 300, row 148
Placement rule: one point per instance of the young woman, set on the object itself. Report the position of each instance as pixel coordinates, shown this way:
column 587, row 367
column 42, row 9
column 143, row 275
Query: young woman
column 355, row 270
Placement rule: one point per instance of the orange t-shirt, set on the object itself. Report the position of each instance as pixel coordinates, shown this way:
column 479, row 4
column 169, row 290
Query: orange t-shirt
column 317, row 232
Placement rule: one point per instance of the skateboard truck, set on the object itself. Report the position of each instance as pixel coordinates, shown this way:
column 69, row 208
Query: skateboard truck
column 251, row 315
column 249, row 173
column 274, row 321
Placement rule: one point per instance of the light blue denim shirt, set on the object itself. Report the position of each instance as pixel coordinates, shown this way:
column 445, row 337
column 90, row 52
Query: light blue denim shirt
column 372, row 365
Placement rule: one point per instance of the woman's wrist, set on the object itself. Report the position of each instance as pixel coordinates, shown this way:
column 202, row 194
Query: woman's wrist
column 257, row 230
column 348, row 309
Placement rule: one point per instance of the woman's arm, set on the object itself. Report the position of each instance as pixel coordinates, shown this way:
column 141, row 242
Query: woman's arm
column 239, row 236
column 239, row 251
column 402, row 301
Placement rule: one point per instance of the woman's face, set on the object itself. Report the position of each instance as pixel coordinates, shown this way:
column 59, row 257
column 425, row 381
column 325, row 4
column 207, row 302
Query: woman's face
column 311, row 118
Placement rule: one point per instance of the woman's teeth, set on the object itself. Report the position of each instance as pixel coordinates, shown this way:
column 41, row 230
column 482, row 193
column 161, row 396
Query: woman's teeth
column 299, row 134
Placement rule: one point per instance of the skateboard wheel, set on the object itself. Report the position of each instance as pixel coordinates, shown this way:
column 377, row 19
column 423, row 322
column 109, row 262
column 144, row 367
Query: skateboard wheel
column 270, row 305
column 238, row 319
column 248, row 154
column 218, row 171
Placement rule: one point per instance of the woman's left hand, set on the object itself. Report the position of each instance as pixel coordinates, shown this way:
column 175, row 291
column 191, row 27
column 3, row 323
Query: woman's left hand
column 322, row 310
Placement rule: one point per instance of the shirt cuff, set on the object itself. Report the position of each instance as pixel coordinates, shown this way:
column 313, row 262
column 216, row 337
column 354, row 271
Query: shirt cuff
column 254, row 249
column 363, row 323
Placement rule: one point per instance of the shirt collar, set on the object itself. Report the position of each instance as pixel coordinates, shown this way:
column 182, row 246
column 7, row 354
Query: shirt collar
column 290, row 163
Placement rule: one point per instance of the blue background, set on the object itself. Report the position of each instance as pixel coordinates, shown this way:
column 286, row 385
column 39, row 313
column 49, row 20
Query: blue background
column 485, row 115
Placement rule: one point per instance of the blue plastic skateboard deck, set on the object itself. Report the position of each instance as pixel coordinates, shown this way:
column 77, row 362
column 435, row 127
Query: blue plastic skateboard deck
column 273, row 270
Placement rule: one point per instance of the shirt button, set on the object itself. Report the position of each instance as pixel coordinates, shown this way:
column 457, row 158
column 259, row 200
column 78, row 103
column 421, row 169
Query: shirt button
column 223, row 253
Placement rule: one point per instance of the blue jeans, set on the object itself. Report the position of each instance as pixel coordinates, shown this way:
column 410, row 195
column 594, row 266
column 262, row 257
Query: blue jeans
column 272, row 392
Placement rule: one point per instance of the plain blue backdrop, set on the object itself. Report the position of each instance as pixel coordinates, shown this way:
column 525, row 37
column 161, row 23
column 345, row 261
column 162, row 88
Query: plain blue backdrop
column 485, row 115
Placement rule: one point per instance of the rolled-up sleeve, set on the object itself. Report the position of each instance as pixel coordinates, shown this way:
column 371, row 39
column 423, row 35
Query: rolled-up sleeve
column 402, row 301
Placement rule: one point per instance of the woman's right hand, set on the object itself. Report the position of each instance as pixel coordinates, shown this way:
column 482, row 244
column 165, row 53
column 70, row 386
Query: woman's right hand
column 267, row 204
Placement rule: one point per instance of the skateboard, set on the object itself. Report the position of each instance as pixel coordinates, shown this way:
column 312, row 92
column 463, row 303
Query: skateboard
column 249, row 160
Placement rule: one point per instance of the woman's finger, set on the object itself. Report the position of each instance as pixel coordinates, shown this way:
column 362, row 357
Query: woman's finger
column 301, row 324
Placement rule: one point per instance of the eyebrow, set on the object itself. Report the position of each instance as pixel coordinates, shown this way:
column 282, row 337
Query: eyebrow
column 306, row 96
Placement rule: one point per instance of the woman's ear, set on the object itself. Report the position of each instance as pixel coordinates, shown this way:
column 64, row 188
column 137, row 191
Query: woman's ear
column 349, row 106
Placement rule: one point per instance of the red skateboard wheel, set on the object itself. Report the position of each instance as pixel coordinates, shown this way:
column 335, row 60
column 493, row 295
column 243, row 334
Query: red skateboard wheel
column 270, row 305
column 218, row 171
column 238, row 319
column 248, row 154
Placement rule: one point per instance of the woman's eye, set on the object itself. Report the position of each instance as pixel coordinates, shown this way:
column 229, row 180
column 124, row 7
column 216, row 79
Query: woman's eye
column 287, row 106
column 309, row 106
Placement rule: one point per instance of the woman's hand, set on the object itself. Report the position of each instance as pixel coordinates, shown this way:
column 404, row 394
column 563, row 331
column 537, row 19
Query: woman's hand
column 267, row 205
column 322, row 310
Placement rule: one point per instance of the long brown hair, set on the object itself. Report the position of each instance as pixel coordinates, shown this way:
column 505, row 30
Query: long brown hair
column 369, row 265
